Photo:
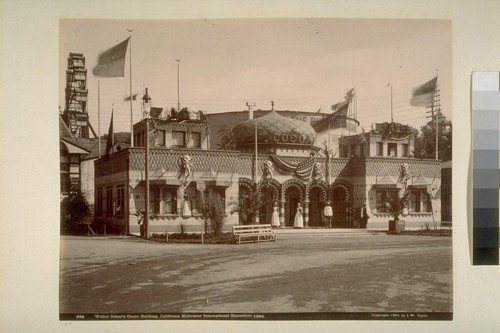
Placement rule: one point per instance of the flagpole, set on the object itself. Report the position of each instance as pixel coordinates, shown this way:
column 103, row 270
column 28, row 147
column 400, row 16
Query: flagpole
column 437, row 115
column 178, row 99
column 99, row 114
column 130, row 85
column 392, row 120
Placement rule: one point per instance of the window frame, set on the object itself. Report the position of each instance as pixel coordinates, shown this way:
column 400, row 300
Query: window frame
column 174, row 139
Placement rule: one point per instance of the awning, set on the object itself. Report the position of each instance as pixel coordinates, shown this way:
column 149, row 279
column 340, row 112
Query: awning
column 73, row 149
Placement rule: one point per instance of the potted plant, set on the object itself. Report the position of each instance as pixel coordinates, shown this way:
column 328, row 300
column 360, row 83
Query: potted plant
column 395, row 206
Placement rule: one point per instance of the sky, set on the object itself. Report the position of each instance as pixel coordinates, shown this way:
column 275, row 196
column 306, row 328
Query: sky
column 300, row 64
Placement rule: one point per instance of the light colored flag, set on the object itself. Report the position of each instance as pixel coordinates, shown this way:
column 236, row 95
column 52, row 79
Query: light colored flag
column 349, row 94
column 422, row 95
column 111, row 63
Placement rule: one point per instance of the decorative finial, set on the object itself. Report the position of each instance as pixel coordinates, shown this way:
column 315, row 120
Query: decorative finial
column 272, row 105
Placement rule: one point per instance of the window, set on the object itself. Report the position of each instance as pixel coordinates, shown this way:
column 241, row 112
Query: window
column 380, row 149
column 195, row 140
column 383, row 197
column 392, row 149
column 109, row 201
column 99, row 201
column 178, row 139
column 419, row 202
column 154, row 200
column 169, row 200
column 354, row 150
column 120, row 201
column 193, row 198
column 404, row 148
column 161, row 138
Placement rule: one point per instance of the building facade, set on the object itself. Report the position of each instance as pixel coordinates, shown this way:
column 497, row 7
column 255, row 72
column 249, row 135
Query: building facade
column 283, row 163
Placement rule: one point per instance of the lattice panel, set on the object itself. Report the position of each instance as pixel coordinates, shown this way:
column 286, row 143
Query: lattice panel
column 380, row 166
column 203, row 160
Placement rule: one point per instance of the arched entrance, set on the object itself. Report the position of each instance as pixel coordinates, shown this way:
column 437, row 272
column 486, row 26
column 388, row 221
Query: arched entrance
column 269, row 190
column 294, row 193
column 246, row 201
column 317, row 200
column 341, row 207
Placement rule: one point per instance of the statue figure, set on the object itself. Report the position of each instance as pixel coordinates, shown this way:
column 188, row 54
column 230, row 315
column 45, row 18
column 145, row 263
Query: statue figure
column 267, row 169
column 404, row 176
column 318, row 172
column 185, row 164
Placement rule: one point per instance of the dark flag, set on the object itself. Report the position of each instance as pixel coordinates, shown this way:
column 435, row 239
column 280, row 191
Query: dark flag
column 129, row 98
column 111, row 136
column 339, row 116
column 422, row 95
column 111, row 63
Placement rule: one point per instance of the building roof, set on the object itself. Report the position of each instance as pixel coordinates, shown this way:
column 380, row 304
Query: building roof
column 274, row 128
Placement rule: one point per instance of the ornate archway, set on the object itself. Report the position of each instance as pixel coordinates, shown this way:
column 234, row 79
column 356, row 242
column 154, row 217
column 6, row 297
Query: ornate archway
column 246, row 189
column 270, row 191
column 293, row 192
column 317, row 194
column 341, row 204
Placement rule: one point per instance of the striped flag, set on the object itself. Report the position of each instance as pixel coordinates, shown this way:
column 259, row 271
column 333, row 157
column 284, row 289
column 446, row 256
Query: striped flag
column 422, row 95
column 111, row 63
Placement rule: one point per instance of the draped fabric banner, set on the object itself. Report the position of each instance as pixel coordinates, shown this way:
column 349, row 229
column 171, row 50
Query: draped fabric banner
column 302, row 170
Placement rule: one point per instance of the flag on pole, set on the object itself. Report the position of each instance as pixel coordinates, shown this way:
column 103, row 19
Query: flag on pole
column 111, row 136
column 349, row 95
column 422, row 95
column 111, row 63
column 339, row 116
column 131, row 98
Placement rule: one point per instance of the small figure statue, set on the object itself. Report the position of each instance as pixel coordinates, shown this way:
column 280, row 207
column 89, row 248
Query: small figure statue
column 318, row 172
column 185, row 165
column 267, row 170
column 404, row 176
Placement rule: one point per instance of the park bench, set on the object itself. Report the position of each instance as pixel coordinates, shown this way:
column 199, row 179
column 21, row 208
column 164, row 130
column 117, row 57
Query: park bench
column 258, row 232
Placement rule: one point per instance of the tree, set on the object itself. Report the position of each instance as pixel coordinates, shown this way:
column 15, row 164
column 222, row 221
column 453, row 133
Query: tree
column 248, row 206
column 227, row 139
column 425, row 143
column 213, row 213
column 395, row 205
column 77, row 212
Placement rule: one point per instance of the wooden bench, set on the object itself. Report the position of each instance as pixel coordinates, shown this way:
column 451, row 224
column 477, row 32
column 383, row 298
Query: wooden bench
column 257, row 232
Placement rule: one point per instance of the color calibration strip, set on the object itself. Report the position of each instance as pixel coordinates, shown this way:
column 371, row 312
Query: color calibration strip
column 486, row 167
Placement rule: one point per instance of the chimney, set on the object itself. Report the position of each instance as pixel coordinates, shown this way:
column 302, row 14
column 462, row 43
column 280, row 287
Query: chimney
column 250, row 105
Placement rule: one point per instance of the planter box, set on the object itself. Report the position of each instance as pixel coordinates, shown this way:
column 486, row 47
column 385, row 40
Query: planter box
column 396, row 226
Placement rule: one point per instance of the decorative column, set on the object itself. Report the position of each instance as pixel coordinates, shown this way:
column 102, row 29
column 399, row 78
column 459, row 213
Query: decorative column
column 282, row 213
column 306, row 214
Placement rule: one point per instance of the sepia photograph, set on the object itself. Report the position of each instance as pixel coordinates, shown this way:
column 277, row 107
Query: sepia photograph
column 255, row 169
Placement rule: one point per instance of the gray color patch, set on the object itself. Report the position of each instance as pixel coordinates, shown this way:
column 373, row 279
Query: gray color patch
column 486, row 100
column 485, row 159
column 485, row 119
column 485, row 139
column 485, row 179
